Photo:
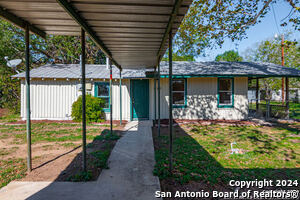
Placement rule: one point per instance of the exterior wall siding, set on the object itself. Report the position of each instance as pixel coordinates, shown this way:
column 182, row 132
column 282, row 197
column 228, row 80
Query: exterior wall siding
column 116, row 99
column 53, row 99
column 202, row 100
column 49, row 99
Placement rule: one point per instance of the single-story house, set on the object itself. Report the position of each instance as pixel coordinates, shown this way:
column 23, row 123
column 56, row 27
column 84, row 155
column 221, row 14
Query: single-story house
column 276, row 95
column 201, row 90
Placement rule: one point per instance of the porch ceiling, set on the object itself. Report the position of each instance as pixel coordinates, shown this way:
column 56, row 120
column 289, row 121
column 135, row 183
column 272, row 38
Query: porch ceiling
column 133, row 33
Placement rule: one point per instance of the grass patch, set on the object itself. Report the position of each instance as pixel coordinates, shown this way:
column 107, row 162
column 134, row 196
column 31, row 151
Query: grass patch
column 9, row 117
column 10, row 170
column 202, row 153
column 68, row 144
column 7, row 151
column 294, row 109
column 48, row 132
column 81, row 177
column 101, row 158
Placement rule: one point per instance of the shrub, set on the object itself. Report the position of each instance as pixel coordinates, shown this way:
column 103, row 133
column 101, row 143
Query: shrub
column 94, row 109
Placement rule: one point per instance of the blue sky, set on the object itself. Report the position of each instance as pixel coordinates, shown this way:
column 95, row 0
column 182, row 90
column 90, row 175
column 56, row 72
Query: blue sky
column 259, row 32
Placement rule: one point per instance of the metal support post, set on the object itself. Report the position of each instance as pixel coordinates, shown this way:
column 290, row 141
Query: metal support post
column 82, row 60
column 110, row 96
column 154, row 97
column 170, row 103
column 158, row 94
column 257, row 94
column 287, row 96
column 28, row 120
column 120, row 97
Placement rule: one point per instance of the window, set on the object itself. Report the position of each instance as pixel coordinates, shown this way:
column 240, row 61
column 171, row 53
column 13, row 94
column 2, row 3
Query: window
column 179, row 92
column 102, row 91
column 225, row 92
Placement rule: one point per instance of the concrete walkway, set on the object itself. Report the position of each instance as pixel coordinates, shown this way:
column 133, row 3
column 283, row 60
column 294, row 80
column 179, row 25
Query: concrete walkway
column 129, row 177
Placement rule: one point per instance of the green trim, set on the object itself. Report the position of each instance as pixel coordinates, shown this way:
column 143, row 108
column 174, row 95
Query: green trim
column 131, row 95
column 106, row 110
column 226, row 76
column 232, row 93
column 185, row 95
column 131, row 118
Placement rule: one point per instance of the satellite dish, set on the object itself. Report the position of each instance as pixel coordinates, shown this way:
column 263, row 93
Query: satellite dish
column 13, row 63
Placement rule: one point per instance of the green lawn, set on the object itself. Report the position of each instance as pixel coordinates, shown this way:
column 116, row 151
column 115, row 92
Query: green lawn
column 294, row 108
column 202, row 153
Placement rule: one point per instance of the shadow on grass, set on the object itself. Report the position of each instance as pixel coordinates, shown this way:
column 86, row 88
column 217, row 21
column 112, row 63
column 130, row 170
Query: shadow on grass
column 98, row 152
column 207, row 164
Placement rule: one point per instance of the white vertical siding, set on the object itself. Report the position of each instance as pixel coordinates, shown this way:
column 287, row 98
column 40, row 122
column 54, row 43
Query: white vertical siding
column 53, row 99
column 49, row 99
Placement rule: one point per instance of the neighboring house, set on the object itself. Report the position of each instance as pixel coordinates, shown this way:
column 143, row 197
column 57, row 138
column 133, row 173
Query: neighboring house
column 201, row 90
column 294, row 95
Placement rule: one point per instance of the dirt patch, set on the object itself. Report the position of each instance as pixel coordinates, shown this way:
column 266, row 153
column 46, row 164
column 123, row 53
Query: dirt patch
column 3, row 112
column 63, row 163
column 54, row 159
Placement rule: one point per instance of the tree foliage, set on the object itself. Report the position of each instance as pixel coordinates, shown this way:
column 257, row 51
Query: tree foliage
column 176, row 56
column 270, row 51
column 55, row 49
column 209, row 23
column 230, row 56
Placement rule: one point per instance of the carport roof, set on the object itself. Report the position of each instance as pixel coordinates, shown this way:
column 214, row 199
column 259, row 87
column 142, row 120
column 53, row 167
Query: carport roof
column 180, row 69
column 133, row 33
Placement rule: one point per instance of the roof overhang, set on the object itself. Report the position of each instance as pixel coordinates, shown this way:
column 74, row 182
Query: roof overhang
column 132, row 33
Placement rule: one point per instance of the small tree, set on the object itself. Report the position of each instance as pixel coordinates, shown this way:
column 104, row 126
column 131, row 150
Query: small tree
column 94, row 109
column 230, row 56
column 270, row 51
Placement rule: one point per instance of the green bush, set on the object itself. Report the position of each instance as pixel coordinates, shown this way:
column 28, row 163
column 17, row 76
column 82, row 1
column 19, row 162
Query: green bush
column 94, row 111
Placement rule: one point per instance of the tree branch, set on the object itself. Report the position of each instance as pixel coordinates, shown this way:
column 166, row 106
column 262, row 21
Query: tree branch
column 293, row 4
column 253, row 21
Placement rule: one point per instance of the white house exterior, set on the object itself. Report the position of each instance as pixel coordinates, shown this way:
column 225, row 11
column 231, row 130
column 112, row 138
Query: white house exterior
column 200, row 95
column 53, row 99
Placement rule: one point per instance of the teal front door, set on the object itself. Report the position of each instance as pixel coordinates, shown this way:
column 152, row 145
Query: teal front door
column 139, row 99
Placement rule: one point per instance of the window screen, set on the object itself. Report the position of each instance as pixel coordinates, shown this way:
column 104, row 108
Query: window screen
column 178, row 89
column 225, row 91
column 103, row 92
